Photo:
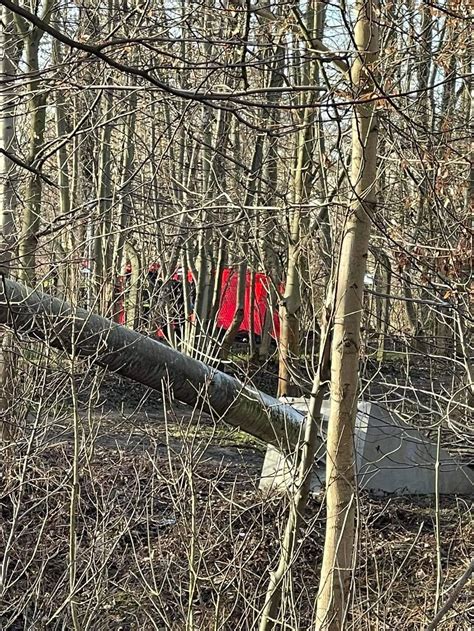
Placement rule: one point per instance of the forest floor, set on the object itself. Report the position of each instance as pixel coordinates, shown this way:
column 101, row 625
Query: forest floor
column 172, row 532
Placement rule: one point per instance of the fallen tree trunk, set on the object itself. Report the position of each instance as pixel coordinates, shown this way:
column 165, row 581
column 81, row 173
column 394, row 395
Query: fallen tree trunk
column 33, row 313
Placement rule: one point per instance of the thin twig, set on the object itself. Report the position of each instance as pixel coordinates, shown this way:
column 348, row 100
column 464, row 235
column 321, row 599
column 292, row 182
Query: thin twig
column 27, row 167
column 451, row 600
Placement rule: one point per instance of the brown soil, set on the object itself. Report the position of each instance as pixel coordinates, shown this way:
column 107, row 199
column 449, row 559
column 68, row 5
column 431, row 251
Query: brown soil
column 170, row 525
column 155, row 510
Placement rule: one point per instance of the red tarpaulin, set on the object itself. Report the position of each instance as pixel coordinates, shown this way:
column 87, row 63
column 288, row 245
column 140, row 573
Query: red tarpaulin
column 229, row 299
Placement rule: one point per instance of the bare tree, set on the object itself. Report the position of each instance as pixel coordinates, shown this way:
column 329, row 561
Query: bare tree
column 10, row 53
column 334, row 594
column 36, row 106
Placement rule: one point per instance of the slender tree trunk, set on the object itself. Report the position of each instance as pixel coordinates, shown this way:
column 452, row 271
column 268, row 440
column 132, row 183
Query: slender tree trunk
column 254, row 176
column 37, row 118
column 203, row 285
column 65, row 244
column 268, row 324
column 125, row 208
column 426, row 106
column 280, row 580
column 31, row 216
column 289, row 307
column 383, row 312
column 8, row 65
column 268, row 225
column 217, row 285
column 253, row 355
column 333, row 597
column 103, row 246
column 303, row 183
column 133, row 290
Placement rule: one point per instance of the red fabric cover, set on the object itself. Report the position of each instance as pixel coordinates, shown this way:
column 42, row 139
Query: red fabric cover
column 229, row 298
column 228, row 303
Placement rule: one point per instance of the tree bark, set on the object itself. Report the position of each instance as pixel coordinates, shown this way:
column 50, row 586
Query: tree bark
column 281, row 579
column 64, row 245
column 33, row 313
column 103, row 244
column 32, row 207
column 8, row 201
column 132, row 307
column 383, row 312
column 31, row 216
column 10, row 54
column 125, row 207
column 303, row 181
column 334, row 584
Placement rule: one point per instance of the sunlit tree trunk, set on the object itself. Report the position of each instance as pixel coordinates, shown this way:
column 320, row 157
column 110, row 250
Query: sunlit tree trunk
column 289, row 307
column 9, row 56
column 149, row 362
column 8, row 199
column 65, row 244
column 303, row 181
column 31, row 216
column 333, row 597
column 103, row 245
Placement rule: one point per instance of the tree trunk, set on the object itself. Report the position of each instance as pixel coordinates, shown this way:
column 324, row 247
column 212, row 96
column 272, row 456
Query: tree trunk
column 9, row 56
column 268, row 324
column 103, row 246
column 281, row 579
column 37, row 117
column 302, row 184
column 125, row 207
column 426, row 110
column 8, row 65
column 253, row 355
column 333, row 594
column 268, row 220
column 31, row 312
column 65, row 244
column 289, row 307
column 196, row 343
column 37, row 126
column 133, row 291
column 217, row 281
